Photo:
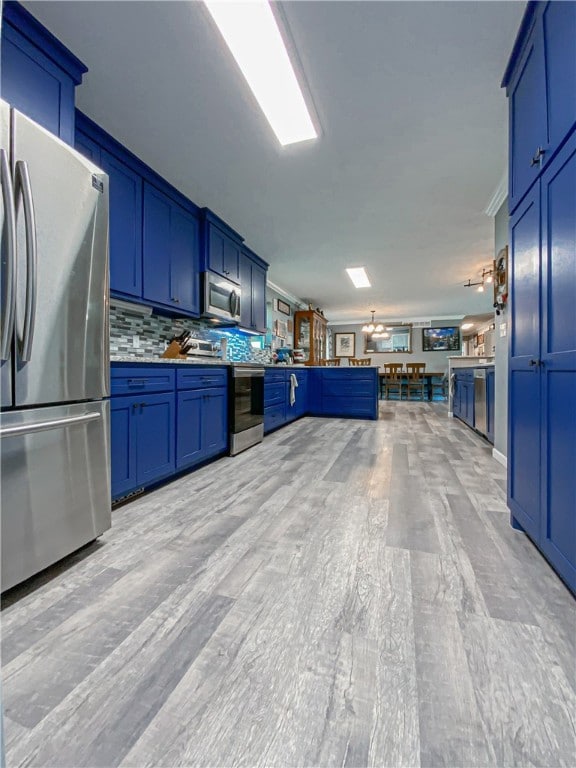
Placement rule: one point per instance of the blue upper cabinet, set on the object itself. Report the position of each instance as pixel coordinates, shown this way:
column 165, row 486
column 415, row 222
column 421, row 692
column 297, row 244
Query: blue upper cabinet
column 528, row 115
column 559, row 33
column 221, row 247
column 125, row 227
column 154, row 229
column 171, row 253
column 253, row 291
column 541, row 87
column 39, row 74
column 88, row 147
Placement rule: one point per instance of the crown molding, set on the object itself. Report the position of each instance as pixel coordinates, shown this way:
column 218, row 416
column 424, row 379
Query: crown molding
column 286, row 294
column 498, row 196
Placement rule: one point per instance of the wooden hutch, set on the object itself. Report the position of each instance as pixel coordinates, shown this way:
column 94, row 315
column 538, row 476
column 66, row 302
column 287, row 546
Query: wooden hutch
column 310, row 335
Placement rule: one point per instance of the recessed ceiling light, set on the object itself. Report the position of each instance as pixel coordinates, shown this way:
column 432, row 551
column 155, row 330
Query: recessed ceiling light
column 252, row 35
column 466, row 326
column 358, row 276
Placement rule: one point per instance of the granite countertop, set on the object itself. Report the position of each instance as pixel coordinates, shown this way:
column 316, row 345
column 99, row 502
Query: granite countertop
column 215, row 361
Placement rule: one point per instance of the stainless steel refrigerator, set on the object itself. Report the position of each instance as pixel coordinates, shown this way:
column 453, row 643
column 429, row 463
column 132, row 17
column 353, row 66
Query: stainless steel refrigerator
column 54, row 425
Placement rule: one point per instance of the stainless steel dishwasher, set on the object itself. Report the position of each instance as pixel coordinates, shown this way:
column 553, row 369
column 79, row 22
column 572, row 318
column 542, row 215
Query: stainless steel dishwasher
column 480, row 414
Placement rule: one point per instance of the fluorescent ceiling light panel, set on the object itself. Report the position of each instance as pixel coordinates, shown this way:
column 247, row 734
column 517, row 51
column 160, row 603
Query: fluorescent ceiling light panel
column 252, row 35
column 358, row 276
column 466, row 326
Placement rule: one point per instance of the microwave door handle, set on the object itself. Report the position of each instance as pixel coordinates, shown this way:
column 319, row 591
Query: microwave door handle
column 234, row 304
column 8, row 256
column 24, row 187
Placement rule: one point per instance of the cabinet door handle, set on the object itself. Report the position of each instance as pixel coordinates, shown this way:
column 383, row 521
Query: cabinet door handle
column 537, row 159
column 175, row 300
column 533, row 363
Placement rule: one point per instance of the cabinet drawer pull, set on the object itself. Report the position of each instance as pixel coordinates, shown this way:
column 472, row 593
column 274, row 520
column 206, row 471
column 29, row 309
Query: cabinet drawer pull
column 137, row 382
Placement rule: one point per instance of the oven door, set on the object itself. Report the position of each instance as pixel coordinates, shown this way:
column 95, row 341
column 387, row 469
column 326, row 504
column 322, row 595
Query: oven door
column 248, row 404
column 221, row 298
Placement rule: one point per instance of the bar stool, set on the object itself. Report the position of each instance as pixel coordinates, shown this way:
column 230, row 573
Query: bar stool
column 391, row 382
column 415, row 380
column 330, row 361
column 438, row 386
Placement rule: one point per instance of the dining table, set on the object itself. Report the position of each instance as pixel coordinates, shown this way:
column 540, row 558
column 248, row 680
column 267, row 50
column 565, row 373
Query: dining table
column 428, row 377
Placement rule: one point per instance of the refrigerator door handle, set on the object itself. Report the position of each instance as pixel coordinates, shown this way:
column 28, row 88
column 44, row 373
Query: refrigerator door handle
column 44, row 426
column 9, row 298
column 24, row 187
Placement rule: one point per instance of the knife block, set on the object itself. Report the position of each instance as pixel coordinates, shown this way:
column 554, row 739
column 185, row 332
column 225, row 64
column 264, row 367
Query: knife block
column 173, row 352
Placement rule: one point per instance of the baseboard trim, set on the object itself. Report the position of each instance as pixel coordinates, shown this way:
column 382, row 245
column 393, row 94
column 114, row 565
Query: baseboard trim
column 500, row 458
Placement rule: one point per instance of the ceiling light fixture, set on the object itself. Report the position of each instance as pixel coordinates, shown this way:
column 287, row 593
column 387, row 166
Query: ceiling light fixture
column 359, row 277
column 370, row 327
column 465, row 326
column 252, row 35
column 486, row 277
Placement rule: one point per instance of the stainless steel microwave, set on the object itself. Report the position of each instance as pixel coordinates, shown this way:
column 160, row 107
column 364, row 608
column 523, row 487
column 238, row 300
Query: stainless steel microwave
column 221, row 298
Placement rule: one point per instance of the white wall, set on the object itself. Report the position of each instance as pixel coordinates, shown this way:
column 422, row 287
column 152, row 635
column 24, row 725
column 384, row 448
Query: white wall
column 435, row 361
column 273, row 314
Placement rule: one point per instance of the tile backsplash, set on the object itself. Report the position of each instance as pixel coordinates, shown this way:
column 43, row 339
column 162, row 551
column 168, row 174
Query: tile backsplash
column 154, row 331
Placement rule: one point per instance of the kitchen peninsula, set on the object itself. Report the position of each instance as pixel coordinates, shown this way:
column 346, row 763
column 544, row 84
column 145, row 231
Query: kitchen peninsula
column 170, row 416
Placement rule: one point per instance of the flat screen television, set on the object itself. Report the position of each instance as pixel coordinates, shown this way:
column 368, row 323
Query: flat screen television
column 441, row 339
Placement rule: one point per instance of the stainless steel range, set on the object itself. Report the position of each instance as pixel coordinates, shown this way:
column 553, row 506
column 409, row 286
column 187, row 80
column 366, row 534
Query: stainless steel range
column 246, row 407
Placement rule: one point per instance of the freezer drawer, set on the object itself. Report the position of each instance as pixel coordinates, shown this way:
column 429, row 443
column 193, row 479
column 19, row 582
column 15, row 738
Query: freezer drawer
column 55, row 485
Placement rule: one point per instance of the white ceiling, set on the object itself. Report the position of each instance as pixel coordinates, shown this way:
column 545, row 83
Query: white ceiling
column 414, row 133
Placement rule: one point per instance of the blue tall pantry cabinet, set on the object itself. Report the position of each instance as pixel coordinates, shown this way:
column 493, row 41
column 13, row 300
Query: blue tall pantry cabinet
column 541, row 86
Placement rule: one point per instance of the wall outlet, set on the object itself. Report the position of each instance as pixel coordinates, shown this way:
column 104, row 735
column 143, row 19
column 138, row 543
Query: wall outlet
column 136, row 342
column 503, row 329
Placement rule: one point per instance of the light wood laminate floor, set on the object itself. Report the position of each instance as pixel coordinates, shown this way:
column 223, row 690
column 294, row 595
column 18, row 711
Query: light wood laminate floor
column 348, row 593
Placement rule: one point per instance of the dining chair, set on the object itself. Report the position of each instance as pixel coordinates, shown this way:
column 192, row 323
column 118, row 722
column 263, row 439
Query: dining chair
column 360, row 361
column 391, row 381
column 439, row 386
column 415, row 380
column 330, row 361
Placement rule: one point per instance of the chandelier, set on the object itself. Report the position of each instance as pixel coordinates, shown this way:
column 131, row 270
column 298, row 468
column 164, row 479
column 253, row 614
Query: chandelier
column 370, row 327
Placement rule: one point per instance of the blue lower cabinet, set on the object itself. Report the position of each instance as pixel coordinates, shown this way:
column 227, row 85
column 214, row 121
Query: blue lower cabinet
column 300, row 406
column 142, row 429
column 189, row 432
column 164, row 418
column 215, row 422
column 345, row 393
column 463, row 400
column 354, row 407
column 202, row 430
column 155, row 447
column 277, row 407
column 274, row 416
column 123, row 444
column 490, row 397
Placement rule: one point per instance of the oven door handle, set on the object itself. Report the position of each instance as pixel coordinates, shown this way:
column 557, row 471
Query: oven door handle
column 247, row 373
